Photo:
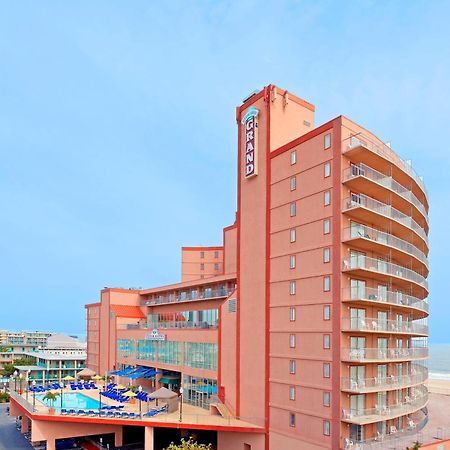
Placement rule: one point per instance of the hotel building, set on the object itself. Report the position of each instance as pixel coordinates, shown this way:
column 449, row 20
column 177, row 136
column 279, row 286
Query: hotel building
column 308, row 325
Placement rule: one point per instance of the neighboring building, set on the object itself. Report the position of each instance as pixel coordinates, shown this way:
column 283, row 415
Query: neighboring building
column 313, row 330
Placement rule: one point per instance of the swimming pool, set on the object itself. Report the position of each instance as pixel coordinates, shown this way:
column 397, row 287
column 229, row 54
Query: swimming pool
column 71, row 400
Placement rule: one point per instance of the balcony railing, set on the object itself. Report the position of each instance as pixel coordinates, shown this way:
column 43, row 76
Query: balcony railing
column 386, row 152
column 383, row 326
column 391, row 297
column 358, row 231
column 382, row 266
column 363, row 201
column 361, row 170
column 417, row 375
column 175, row 324
column 384, row 354
column 188, row 296
column 417, row 400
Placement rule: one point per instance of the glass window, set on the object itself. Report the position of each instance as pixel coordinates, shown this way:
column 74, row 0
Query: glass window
column 293, row 209
column 326, row 427
column 169, row 352
column 291, row 419
column 326, row 370
column 326, row 283
column 326, row 226
column 326, row 341
column 292, row 314
column 146, row 350
column 292, row 262
column 202, row 255
column 326, row 312
column 202, row 266
column 292, row 287
column 326, row 198
column 292, row 393
column 327, row 169
column 292, row 340
column 200, row 355
column 292, row 366
column 216, row 266
column 293, row 157
column 327, row 141
column 326, row 398
column 293, row 183
column 293, row 235
column 326, row 255
column 216, row 254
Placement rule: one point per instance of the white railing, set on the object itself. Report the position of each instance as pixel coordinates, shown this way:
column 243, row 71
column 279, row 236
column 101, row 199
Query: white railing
column 361, row 170
column 379, row 325
column 359, row 231
column 386, row 152
column 380, row 265
column 381, row 354
column 172, row 324
column 363, row 201
column 188, row 296
column 417, row 375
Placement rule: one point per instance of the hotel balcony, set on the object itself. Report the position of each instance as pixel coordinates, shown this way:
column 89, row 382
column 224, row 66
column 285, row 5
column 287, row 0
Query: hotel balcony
column 368, row 209
column 170, row 324
column 418, row 400
column 368, row 325
column 371, row 239
column 380, row 156
column 188, row 297
column 368, row 355
column 417, row 375
column 386, row 272
column 364, row 295
column 357, row 177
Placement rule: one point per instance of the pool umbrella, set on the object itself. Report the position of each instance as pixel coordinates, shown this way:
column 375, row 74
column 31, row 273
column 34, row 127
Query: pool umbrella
column 97, row 377
column 68, row 378
column 129, row 394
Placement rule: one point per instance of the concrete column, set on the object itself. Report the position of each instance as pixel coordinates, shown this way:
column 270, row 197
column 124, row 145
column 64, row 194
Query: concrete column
column 51, row 444
column 148, row 438
column 157, row 378
column 25, row 424
column 118, row 437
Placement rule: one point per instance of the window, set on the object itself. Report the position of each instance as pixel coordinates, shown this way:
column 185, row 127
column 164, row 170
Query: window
column 292, row 366
column 202, row 266
column 292, row 340
column 293, row 183
column 327, row 141
column 326, row 370
column 326, row 255
column 199, row 355
column 291, row 392
column 292, row 314
column 293, row 235
column 326, row 226
column 292, row 287
column 326, row 341
column 216, row 266
column 326, row 198
column 326, row 427
column 326, row 398
column 293, row 209
column 216, row 254
column 293, row 157
column 291, row 419
column 327, row 169
column 292, row 261
column 202, row 255
column 326, row 312
column 326, row 283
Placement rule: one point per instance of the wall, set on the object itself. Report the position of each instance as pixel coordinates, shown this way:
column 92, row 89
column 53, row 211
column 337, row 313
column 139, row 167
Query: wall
column 194, row 266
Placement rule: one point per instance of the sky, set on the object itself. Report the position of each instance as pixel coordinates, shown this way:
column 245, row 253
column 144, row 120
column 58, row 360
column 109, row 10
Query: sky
column 118, row 133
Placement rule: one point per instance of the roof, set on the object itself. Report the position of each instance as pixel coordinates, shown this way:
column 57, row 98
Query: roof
column 26, row 368
column 130, row 311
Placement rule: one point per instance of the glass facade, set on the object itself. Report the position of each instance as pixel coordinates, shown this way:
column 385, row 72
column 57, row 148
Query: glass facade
column 146, row 349
column 199, row 391
column 200, row 355
column 169, row 352
column 125, row 348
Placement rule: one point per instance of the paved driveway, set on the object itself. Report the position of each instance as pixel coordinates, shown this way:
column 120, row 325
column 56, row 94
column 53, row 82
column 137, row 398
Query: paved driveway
column 10, row 437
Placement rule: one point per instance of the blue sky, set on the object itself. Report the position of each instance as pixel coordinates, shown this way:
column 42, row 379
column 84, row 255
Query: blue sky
column 117, row 131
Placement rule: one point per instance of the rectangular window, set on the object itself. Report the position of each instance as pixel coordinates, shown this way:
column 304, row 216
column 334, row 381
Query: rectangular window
column 291, row 419
column 292, row 287
column 326, row 312
column 202, row 255
column 200, row 355
column 292, row 340
column 293, row 157
column 292, row 314
column 326, row 398
column 293, row 209
column 326, row 283
column 327, row 141
column 326, row 341
column 216, row 254
column 326, row 198
column 326, row 370
column 202, row 266
column 326, row 226
column 292, row 393
column 293, row 235
column 292, row 261
column 326, row 427
column 216, row 266
column 293, row 183
column 326, row 255
column 292, row 366
column 327, row 169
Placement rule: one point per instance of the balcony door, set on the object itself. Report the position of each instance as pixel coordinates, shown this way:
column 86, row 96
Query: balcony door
column 382, row 317
column 357, row 347
column 382, row 292
column 381, row 373
column 357, row 230
column 382, row 401
column 356, row 432
column 357, row 404
column 382, row 428
column 357, row 259
column 358, row 289
column 357, row 318
column 382, row 345
column 357, row 376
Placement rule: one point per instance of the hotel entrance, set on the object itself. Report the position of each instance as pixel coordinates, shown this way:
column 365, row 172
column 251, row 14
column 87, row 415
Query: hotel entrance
column 199, row 391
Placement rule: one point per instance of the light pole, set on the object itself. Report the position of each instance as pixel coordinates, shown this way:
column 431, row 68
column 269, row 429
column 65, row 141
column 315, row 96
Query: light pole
column 34, row 393
column 27, row 380
column 15, row 380
column 20, row 383
column 99, row 400
column 140, row 401
column 181, row 404
column 61, row 388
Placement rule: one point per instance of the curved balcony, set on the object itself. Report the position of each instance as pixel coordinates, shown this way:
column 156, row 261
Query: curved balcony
column 187, row 296
column 371, row 239
column 368, row 209
column 367, row 355
column 417, row 375
column 417, row 400
column 378, row 326
column 382, row 152
column 385, row 271
column 397, row 299
column 356, row 175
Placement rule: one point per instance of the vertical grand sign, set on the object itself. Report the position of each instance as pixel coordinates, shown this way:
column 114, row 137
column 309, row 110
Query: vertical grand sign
column 251, row 142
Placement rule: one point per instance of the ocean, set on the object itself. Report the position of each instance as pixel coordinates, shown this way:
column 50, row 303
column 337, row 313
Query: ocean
column 439, row 362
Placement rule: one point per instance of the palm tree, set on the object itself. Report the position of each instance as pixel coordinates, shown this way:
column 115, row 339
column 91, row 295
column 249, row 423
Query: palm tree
column 51, row 397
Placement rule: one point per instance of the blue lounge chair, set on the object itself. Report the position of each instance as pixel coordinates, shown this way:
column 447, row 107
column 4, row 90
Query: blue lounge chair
column 81, row 412
column 63, row 411
column 109, row 414
column 133, row 415
column 71, row 411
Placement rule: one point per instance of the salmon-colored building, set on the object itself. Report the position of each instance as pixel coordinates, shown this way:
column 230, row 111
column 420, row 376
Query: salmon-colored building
column 308, row 324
